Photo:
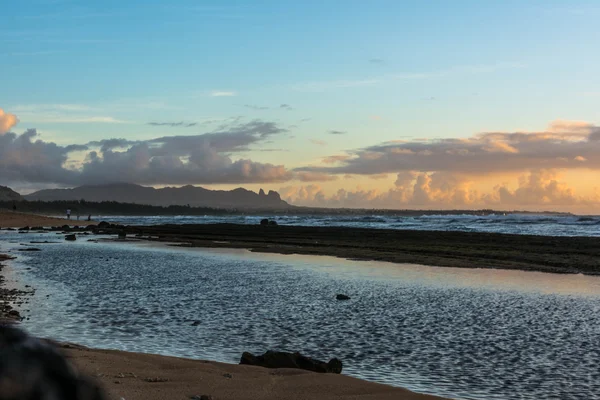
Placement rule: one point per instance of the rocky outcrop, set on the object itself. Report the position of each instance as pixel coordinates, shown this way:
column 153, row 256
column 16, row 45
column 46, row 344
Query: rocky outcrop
column 71, row 237
column 280, row 359
column 342, row 297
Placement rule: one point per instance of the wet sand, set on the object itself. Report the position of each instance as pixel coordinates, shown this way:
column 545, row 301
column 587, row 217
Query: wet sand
column 443, row 249
column 10, row 219
column 134, row 376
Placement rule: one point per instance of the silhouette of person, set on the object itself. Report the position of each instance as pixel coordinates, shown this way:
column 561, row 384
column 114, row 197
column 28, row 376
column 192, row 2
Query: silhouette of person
column 69, row 213
column 14, row 207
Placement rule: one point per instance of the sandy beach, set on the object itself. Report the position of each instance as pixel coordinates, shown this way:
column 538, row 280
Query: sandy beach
column 134, row 376
column 11, row 219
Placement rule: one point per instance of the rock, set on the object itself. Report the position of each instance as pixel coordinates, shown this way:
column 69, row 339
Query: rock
column 264, row 221
column 202, row 397
column 90, row 227
column 25, row 228
column 228, row 375
column 71, row 237
column 279, row 359
column 195, row 323
column 273, row 223
column 342, row 297
column 103, row 224
column 122, row 235
column 30, row 249
column 65, row 228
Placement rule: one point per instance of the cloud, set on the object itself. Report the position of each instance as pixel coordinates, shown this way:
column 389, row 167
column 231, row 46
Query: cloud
column 197, row 159
column 445, row 191
column 181, row 124
column 314, row 177
column 7, row 121
column 378, row 61
column 325, row 85
column 221, row 93
column 286, row 107
column 565, row 144
column 318, row 142
column 254, row 107
column 334, row 132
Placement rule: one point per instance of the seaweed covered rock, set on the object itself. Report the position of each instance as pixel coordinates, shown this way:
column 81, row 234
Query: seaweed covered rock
column 280, row 359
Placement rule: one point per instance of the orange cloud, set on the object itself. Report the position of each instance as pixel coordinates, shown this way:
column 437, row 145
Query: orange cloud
column 539, row 189
column 7, row 121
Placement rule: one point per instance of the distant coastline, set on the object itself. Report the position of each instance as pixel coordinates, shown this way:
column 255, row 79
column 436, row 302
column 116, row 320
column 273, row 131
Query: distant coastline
column 58, row 207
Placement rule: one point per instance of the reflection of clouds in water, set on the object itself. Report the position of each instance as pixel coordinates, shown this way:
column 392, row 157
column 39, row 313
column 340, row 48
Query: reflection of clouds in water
column 441, row 330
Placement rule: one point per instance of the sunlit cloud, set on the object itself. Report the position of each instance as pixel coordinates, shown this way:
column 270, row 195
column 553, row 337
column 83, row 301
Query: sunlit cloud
column 7, row 121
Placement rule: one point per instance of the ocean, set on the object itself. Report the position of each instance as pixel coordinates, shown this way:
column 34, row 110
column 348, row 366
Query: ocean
column 522, row 224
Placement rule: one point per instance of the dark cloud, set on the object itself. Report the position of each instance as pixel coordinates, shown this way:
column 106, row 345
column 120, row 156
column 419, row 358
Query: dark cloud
column 180, row 124
column 286, row 107
column 334, row 132
column 564, row 145
column 197, row 159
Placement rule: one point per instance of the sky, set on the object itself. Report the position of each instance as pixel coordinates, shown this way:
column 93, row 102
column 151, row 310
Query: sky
column 379, row 104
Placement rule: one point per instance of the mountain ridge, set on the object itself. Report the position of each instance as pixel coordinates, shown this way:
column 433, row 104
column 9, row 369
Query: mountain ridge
column 195, row 196
column 7, row 194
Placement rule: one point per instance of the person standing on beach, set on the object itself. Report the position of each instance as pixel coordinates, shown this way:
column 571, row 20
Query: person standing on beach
column 14, row 207
column 68, row 213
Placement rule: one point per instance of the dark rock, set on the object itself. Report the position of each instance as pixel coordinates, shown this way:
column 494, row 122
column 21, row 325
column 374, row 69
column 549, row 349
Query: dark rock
column 195, row 323
column 342, row 297
column 25, row 228
column 280, row 359
column 273, row 223
column 90, row 227
column 122, row 235
column 202, row 397
column 30, row 249
column 228, row 376
column 31, row 368
column 103, row 224
column 65, row 228
column 264, row 221
column 71, row 237
column 37, row 228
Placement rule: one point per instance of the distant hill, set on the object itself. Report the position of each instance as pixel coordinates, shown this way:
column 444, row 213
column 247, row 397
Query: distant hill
column 194, row 196
column 7, row 194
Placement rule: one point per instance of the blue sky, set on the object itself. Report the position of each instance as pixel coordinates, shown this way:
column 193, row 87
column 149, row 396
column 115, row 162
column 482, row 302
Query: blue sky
column 82, row 71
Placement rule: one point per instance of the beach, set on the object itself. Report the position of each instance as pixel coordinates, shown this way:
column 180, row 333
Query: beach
column 131, row 376
column 135, row 376
column 15, row 219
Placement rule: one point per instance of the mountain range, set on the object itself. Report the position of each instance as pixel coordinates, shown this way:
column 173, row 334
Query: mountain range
column 187, row 195
column 7, row 194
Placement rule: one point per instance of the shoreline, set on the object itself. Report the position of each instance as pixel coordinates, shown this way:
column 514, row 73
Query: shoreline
column 563, row 255
column 133, row 376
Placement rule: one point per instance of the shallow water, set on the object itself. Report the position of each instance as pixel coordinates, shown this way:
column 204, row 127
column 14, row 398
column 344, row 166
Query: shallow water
column 469, row 334
column 522, row 224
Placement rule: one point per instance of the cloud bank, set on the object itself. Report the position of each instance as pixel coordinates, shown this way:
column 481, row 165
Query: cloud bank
column 565, row 144
column 196, row 159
